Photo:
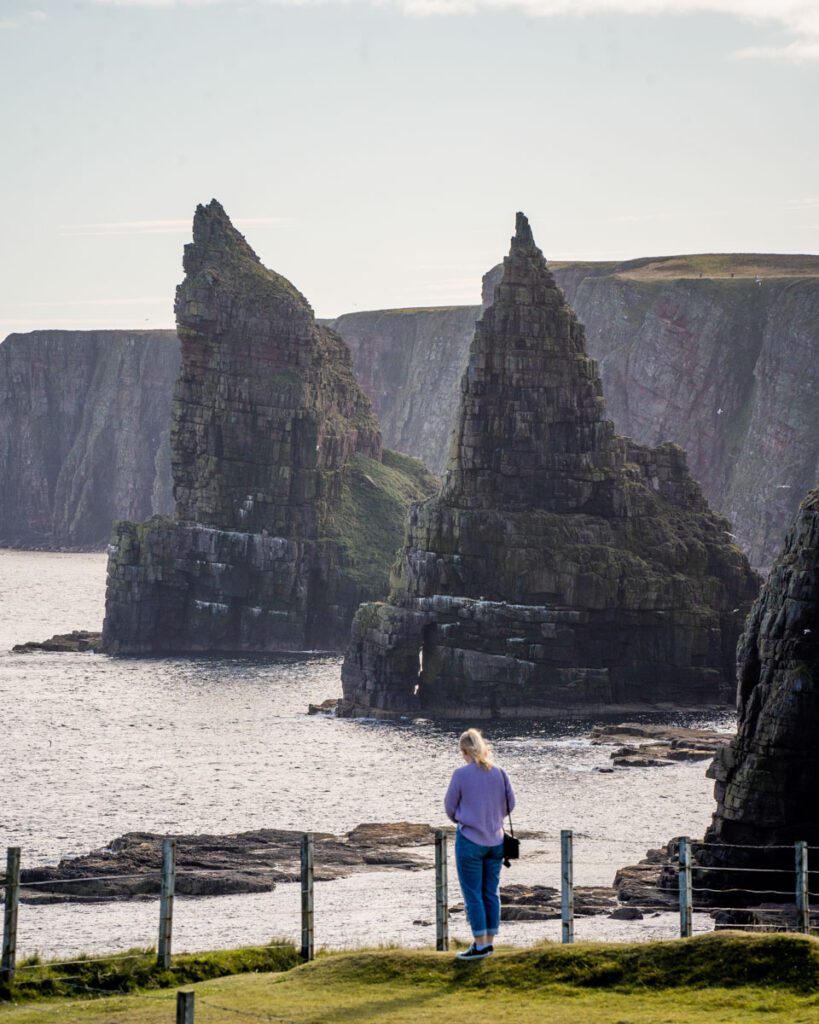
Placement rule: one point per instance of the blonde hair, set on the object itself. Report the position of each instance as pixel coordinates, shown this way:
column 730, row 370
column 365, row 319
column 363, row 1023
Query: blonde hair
column 476, row 748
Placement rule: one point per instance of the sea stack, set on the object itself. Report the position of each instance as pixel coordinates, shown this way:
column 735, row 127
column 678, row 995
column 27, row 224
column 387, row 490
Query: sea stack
column 562, row 569
column 288, row 510
column 767, row 778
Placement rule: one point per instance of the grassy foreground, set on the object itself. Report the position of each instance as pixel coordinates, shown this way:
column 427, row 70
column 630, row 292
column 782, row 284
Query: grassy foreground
column 718, row 979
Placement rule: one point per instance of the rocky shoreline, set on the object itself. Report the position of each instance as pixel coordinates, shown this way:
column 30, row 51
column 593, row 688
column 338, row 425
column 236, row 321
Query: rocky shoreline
column 257, row 861
column 218, row 865
column 651, row 746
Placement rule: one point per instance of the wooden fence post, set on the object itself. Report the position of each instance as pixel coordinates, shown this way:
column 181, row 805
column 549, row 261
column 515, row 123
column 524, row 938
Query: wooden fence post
column 567, row 885
column 441, row 895
column 166, row 895
column 184, row 1007
column 307, row 935
column 686, row 891
column 9, row 960
column 802, row 898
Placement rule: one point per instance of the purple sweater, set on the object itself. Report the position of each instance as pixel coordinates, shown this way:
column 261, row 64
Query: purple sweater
column 477, row 801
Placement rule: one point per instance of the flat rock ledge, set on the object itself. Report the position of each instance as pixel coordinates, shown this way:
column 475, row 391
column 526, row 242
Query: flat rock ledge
column 216, row 865
column 651, row 884
column 652, row 746
column 542, row 902
column 77, row 641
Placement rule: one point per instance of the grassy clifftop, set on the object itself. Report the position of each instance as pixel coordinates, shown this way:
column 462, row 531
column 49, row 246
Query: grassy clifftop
column 713, row 979
column 719, row 265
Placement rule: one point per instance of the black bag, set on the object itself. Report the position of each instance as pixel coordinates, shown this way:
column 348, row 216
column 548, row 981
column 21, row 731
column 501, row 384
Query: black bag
column 511, row 844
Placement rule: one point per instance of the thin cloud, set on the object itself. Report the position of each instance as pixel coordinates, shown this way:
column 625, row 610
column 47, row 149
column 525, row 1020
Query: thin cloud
column 798, row 17
column 796, row 52
column 164, row 3
column 78, row 323
column 24, row 18
column 640, row 218
column 154, row 300
column 155, row 227
column 458, row 284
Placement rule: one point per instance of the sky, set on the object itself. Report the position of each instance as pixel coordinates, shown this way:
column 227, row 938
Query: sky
column 375, row 153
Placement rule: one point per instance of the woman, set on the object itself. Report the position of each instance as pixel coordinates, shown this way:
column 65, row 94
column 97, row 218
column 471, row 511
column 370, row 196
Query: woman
column 478, row 797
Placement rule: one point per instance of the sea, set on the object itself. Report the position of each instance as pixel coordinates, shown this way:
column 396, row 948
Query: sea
column 92, row 747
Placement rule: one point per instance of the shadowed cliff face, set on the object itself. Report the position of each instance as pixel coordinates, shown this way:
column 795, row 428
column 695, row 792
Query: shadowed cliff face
column 84, row 420
column 727, row 367
column 409, row 362
column 288, row 512
column 562, row 568
column 767, row 787
column 767, row 778
column 267, row 410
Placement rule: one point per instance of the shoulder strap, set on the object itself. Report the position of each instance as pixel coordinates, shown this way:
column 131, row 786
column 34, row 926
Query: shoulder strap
column 506, row 797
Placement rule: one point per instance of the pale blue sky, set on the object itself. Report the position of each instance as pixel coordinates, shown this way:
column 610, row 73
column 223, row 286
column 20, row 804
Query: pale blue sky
column 376, row 154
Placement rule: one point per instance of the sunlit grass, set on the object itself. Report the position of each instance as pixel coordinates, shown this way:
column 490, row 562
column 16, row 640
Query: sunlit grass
column 718, row 979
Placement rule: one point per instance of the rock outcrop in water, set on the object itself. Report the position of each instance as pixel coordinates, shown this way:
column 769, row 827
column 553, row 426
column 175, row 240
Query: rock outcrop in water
column 719, row 354
column 767, row 778
column 288, row 512
column 84, row 421
column 218, row 865
column 562, row 567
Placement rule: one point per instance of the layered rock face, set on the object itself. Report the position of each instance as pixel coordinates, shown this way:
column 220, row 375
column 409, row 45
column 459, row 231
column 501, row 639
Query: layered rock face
column 287, row 509
column 562, row 567
column 767, row 778
column 84, row 425
column 719, row 354
column 727, row 367
column 410, row 362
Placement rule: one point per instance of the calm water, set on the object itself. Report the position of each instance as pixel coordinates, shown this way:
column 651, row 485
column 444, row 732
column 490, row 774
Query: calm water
column 91, row 747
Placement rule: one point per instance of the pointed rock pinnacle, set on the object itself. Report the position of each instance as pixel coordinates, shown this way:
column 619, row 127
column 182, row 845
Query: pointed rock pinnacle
column 214, row 236
column 524, row 239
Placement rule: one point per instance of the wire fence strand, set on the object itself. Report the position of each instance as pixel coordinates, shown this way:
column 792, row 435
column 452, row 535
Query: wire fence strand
column 90, row 878
column 651, row 898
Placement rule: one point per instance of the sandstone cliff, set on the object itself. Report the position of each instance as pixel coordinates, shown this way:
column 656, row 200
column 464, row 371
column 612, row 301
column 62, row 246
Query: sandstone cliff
column 562, row 567
column 410, row 361
column 724, row 366
column 719, row 354
column 84, row 418
column 288, row 512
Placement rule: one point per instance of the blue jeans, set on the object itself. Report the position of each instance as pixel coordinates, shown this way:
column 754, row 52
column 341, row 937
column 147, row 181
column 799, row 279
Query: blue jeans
column 479, row 870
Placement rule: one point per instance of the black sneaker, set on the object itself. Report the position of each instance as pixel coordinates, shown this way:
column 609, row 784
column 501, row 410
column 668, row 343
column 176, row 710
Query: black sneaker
column 476, row 953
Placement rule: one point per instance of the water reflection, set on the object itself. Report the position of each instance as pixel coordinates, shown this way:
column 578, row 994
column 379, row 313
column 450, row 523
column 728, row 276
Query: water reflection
column 93, row 747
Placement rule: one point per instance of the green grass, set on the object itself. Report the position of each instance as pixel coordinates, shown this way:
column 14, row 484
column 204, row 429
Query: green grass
column 370, row 519
column 137, row 970
column 714, row 979
column 720, row 265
